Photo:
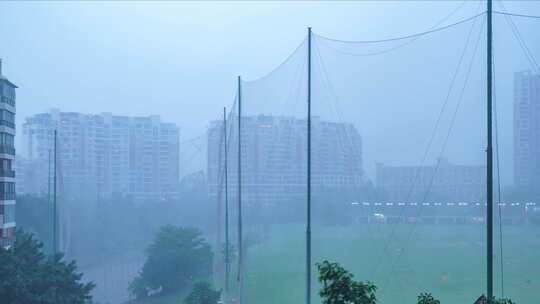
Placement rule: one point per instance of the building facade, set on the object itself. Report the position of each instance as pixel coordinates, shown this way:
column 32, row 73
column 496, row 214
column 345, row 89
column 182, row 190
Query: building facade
column 102, row 155
column 527, row 133
column 7, row 159
column 440, row 182
column 274, row 158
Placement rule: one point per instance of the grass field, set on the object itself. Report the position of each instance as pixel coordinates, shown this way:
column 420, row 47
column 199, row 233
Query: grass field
column 448, row 261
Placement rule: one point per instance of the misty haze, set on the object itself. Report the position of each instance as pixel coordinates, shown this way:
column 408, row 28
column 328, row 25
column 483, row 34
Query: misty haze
column 270, row 152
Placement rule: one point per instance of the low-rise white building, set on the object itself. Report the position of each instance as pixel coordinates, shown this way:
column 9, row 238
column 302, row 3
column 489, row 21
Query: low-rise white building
column 441, row 181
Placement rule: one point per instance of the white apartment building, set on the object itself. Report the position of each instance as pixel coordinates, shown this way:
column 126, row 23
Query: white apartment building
column 274, row 158
column 102, row 155
column 7, row 158
column 527, row 132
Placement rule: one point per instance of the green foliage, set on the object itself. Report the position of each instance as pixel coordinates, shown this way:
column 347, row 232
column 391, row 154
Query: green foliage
column 29, row 276
column 203, row 293
column 427, row 298
column 500, row 301
column 340, row 288
column 175, row 258
column 483, row 300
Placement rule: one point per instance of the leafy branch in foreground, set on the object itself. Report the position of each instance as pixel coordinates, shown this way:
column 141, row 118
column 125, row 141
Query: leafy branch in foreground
column 427, row 298
column 340, row 288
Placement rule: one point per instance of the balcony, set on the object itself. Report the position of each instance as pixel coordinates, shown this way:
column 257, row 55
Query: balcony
column 7, row 100
column 7, row 150
column 7, row 124
column 9, row 196
column 7, row 173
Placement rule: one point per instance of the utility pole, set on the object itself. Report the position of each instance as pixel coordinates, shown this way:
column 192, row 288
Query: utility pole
column 308, row 226
column 55, row 211
column 240, row 243
column 489, row 151
column 227, row 257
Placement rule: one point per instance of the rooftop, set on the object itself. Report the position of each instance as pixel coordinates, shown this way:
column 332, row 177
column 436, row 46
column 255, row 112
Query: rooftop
column 3, row 78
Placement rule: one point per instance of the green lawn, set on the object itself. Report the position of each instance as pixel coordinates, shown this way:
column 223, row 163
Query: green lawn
column 448, row 261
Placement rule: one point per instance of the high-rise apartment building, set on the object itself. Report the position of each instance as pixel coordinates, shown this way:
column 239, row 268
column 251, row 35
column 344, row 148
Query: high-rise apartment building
column 444, row 181
column 527, row 133
column 7, row 158
column 274, row 158
column 102, row 155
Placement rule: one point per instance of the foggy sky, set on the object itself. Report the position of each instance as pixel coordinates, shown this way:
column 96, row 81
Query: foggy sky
column 179, row 60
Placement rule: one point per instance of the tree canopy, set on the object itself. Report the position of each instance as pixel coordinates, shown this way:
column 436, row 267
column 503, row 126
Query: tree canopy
column 203, row 293
column 29, row 276
column 176, row 258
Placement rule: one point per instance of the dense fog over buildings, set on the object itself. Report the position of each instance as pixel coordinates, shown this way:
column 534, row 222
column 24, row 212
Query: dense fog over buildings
column 244, row 143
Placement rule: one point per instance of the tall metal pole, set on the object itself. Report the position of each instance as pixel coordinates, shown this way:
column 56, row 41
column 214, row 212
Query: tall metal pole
column 489, row 180
column 240, row 243
column 55, row 215
column 308, row 225
column 227, row 257
column 49, row 208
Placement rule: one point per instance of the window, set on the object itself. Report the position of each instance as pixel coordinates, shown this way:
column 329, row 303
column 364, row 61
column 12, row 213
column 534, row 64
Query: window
column 9, row 213
column 7, row 191
column 7, row 93
column 5, row 164
column 7, row 140
column 7, row 233
column 5, row 168
column 7, row 118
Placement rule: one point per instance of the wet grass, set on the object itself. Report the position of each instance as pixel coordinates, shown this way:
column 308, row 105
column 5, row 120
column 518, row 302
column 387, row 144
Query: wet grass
column 403, row 260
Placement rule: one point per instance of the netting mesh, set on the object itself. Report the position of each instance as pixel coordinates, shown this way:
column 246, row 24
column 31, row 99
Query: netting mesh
column 416, row 105
column 398, row 158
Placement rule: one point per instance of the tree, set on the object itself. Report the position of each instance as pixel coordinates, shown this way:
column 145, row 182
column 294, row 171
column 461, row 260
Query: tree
column 31, row 277
column 427, row 298
column 340, row 288
column 500, row 301
column 483, row 300
column 175, row 258
column 202, row 293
